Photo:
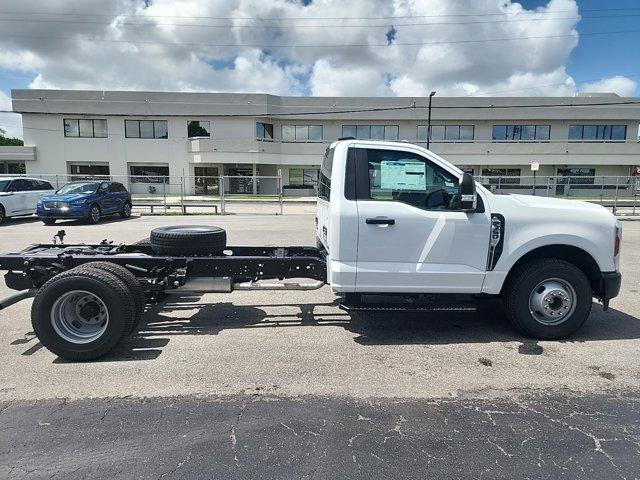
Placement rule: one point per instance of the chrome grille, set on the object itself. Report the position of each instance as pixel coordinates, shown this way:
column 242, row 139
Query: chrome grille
column 49, row 205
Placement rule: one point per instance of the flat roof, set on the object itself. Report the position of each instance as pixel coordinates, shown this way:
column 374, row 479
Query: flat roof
column 139, row 103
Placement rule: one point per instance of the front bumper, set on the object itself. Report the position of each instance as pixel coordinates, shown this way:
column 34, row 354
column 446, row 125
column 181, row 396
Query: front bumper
column 72, row 211
column 609, row 285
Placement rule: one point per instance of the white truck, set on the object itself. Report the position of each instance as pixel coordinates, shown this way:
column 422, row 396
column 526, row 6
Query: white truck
column 399, row 229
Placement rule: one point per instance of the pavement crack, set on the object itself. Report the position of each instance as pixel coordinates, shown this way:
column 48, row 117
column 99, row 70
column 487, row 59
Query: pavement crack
column 597, row 442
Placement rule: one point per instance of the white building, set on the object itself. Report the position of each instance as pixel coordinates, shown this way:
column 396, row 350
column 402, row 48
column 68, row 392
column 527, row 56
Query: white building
column 211, row 134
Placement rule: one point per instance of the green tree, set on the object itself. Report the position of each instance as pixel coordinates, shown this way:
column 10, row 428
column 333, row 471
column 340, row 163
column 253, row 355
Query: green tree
column 9, row 141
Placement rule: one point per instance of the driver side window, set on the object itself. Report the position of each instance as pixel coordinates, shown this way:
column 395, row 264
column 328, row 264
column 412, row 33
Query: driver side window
column 410, row 178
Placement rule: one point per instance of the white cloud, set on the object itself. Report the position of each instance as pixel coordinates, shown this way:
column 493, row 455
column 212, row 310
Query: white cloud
column 297, row 49
column 623, row 86
column 11, row 123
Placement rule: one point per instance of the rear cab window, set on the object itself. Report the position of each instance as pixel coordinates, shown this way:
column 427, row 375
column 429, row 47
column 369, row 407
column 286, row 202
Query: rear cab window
column 324, row 180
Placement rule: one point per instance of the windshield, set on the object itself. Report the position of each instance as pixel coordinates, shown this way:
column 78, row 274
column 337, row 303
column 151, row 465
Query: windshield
column 3, row 185
column 83, row 187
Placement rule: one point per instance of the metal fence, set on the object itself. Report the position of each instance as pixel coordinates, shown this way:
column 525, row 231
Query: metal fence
column 264, row 194
column 621, row 194
column 184, row 194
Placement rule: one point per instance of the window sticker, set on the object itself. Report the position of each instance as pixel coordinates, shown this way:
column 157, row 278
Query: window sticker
column 403, row 175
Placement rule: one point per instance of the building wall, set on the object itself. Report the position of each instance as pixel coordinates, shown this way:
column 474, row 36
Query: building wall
column 233, row 144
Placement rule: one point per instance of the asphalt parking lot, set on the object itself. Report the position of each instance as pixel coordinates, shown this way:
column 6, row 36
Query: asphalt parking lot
column 283, row 385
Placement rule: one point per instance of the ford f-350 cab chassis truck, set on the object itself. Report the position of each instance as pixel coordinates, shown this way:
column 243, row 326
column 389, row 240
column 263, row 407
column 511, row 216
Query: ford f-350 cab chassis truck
column 398, row 229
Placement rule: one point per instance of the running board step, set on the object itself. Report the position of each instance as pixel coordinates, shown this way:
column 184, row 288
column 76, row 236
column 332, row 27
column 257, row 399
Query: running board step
column 393, row 307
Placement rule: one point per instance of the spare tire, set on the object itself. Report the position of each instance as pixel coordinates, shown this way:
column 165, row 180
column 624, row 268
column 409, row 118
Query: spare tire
column 188, row 240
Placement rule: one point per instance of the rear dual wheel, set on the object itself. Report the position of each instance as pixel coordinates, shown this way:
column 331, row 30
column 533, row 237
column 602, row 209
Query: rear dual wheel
column 83, row 313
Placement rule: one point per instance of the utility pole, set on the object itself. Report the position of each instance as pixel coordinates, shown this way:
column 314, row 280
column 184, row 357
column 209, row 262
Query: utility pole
column 429, row 120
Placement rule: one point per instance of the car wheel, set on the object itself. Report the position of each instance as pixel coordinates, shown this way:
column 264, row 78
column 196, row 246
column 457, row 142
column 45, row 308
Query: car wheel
column 2, row 214
column 94, row 214
column 82, row 315
column 48, row 221
column 126, row 210
column 548, row 298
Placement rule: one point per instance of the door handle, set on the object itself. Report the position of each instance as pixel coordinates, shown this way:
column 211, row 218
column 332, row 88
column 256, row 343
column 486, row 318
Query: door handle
column 380, row 221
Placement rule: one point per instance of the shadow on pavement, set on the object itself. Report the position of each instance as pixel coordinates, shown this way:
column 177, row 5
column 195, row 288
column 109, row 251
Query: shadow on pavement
column 488, row 324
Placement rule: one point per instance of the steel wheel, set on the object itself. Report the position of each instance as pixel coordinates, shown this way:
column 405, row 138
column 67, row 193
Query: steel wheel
column 552, row 301
column 79, row 316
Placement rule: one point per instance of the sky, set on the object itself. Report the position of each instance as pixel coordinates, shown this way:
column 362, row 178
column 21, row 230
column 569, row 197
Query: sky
column 320, row 47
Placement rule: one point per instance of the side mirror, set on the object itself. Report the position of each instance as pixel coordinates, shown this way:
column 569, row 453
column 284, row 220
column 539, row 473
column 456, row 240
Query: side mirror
column 467, row 192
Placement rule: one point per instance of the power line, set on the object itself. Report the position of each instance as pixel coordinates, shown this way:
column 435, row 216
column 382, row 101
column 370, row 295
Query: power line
column 287, row 27
column 139, row 15
column 366, row 110
column 354, row 45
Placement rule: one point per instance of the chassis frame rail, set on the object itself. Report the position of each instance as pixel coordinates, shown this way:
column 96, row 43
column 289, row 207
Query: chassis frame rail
column 36, row 264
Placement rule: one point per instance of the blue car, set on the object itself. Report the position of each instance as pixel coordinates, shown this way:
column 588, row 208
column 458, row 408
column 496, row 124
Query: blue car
column 89, row 200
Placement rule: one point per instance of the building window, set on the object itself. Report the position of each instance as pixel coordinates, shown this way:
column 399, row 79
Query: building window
column 303, row 177
column 501, row 176
column 302, row 133
column 145, row 129
column 198, row 128
column 14, row 168
column 149, row 173
column 371, row 132
column 85, row 128
column 264, row 131
column 446, row 133
column 578, row 176
column 521, row 133
column 88, row 171
column 594, row 133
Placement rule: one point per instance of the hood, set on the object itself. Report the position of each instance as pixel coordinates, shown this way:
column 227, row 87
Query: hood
column 548, row 209
column 551, row 202
column 65, row 198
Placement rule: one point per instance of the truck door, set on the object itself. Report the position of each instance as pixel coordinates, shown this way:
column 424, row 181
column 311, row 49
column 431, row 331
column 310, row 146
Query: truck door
column 410, row 238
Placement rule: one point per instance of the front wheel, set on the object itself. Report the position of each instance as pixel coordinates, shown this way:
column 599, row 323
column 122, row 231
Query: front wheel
column 548, row 298
column 48, row 221
column 126, row 210
column 94, row 214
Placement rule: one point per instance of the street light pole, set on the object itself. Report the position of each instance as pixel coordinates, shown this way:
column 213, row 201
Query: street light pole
column 429, row 120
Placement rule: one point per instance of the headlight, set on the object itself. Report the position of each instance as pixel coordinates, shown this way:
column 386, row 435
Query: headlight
column 81, row 201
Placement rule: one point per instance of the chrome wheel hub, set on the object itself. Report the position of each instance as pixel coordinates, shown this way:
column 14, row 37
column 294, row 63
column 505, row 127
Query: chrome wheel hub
column 552, row 301
column 79, row 317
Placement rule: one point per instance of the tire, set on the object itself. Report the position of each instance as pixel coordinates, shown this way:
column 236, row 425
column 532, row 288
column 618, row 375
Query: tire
column 188, row 240
column 130, row 281
column 94, row 214
column 145, row 242
column 126, row 210
column 548, row 298
column 3, row 216
column 48, row 221
column 55, row 302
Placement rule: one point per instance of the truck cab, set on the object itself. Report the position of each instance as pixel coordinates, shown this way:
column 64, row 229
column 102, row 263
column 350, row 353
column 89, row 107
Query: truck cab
column 398, row 219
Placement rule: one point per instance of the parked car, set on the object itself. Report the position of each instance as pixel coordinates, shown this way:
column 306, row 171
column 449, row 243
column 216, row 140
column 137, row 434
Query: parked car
column 89, row 200
column 19, row 195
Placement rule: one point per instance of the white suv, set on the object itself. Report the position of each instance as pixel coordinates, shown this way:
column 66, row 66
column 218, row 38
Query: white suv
column 19, row 195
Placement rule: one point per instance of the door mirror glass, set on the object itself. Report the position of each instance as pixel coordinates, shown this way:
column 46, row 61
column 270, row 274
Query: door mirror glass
column 467, row 193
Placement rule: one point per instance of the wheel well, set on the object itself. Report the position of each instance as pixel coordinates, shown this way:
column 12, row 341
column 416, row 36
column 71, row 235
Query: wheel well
column 568, row 253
